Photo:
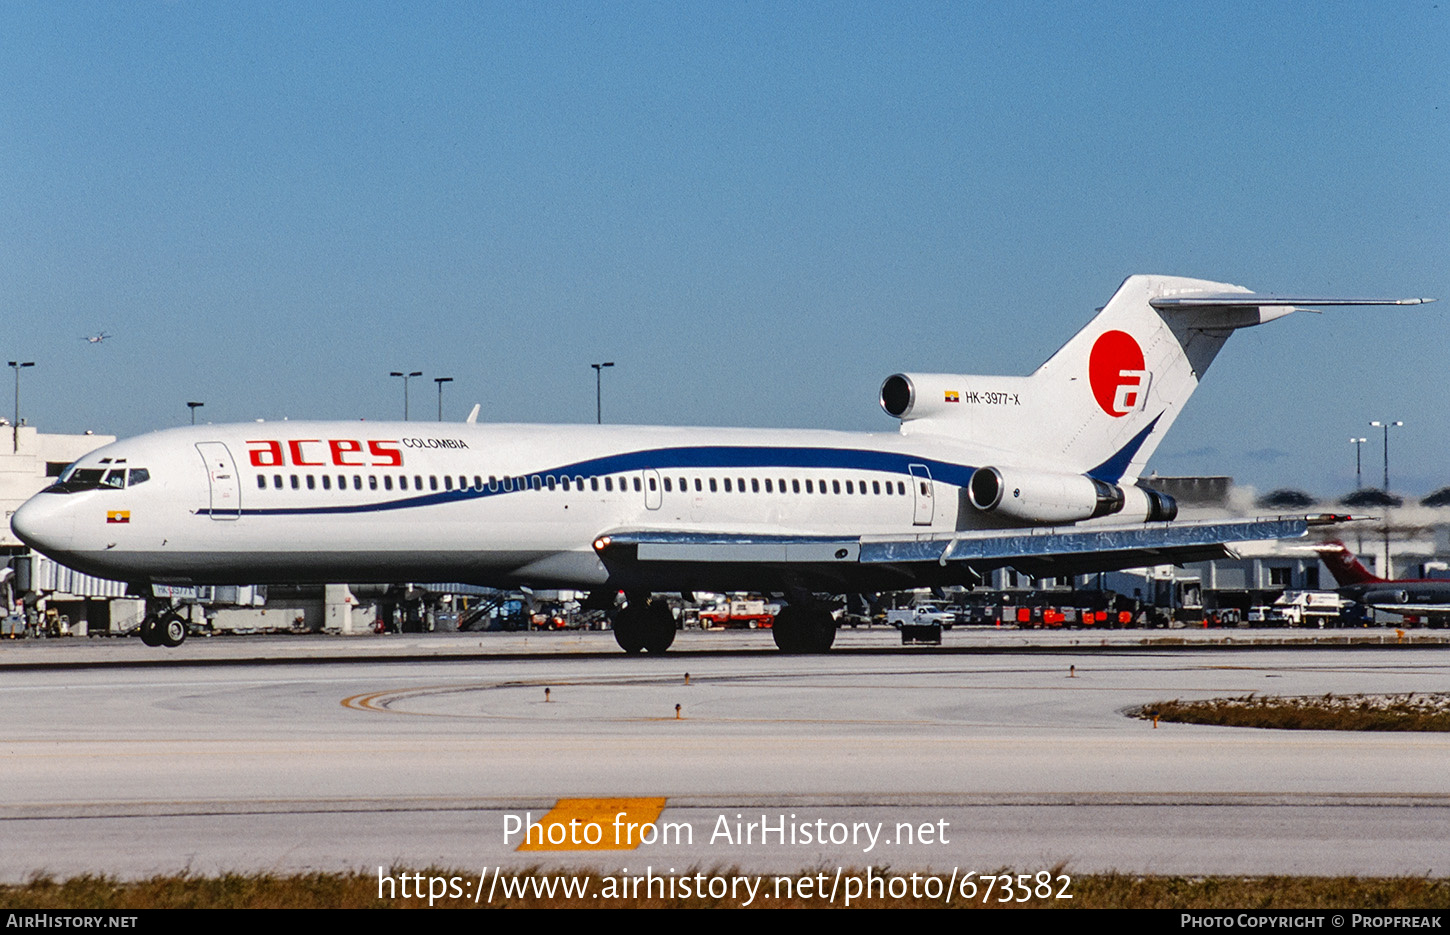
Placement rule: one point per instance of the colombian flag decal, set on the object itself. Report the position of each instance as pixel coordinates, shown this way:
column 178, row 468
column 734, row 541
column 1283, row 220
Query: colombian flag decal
column 952, row 396
column 118, row 516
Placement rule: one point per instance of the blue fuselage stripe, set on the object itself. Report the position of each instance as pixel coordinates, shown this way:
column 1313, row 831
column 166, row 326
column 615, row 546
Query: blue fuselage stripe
column 664, row 459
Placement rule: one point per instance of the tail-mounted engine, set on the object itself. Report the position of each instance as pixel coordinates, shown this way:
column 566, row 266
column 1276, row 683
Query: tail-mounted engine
column 1047, row 497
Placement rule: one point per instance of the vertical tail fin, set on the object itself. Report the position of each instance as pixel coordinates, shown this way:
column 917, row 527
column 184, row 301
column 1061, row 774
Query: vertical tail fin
column 1344, row 565
column 1103, row 402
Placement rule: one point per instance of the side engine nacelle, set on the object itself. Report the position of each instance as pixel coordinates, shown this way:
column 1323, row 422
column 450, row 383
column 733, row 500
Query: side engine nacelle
column 1046, row 497
column 908, row 396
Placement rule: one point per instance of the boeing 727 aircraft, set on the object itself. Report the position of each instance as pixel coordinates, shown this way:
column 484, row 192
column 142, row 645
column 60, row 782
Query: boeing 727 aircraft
column 1039, row 473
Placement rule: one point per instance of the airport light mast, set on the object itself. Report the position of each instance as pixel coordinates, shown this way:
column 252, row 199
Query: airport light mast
column 1386, row 426
column 194, row 407
column 406, row 377
column 440, row 381
column 15, row 427
column 1358, row 444
column 598, row 405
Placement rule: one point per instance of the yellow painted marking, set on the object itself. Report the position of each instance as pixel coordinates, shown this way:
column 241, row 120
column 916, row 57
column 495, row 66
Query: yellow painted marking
column 613, row 824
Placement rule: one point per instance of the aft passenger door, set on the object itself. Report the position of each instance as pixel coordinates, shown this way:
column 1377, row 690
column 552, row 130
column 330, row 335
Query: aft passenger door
column 221, row 476
column 921, row 489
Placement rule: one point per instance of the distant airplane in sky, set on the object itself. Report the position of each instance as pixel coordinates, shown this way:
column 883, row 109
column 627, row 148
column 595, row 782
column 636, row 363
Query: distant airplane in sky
column 1038, row 473
column 97, row 338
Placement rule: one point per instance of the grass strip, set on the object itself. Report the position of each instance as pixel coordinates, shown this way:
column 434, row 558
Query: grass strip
column 1414, row 711
column 102, row 894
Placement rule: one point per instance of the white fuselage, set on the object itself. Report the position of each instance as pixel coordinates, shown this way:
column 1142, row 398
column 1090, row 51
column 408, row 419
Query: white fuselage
column 493, row 504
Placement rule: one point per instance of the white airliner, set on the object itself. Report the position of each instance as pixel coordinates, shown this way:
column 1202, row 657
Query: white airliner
column 1039, row 473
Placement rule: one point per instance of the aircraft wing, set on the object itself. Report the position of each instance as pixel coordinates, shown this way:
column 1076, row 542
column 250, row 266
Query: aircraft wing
column 841, row 564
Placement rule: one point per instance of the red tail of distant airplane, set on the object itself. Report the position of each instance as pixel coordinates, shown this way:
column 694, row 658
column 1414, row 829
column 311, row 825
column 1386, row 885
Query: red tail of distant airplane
column 1344, row 566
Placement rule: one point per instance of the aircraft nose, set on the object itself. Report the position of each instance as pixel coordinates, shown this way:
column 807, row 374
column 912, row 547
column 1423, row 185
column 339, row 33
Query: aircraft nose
column 43, row 523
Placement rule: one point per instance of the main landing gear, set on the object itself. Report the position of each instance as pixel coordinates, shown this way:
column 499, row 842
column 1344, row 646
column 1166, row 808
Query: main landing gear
column 804, row 627
column 163, row 627
column 644, row 624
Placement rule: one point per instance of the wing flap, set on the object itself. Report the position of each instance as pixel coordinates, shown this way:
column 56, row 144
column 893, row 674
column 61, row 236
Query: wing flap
column 1059, row 550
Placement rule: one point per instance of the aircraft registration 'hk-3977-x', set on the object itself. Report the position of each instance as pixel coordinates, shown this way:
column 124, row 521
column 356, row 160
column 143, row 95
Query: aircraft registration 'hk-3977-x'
column 1039, row 473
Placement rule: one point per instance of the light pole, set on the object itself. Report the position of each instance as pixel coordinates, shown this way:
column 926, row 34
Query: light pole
column 1386, row 426
column 15, row 427
column 440, row 381
column 1358, row 444
column 406, row 377
column 598, row 406
column 194, row 407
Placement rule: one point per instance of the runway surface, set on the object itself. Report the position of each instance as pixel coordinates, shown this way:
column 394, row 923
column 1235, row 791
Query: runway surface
column 425, row 753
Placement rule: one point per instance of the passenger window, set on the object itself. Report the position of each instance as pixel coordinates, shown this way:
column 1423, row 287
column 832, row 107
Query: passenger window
column 823, row 485
column 835, row 486
column 402, row 482
column 901, row 488
column 372, row 482
column 795, row 486
column 564, row 481
column 276, row 481
column 594, row 483
column 432, row 481
column 889, row 491
column 296, row 484
column 387, row 482
column 652, row 483
column 876, row 487
column 357, row 482
column 637, row 487
column 699, row 487
column 727, row 485
column 311, row 482
column 478, row 483
column 848, row 487
column 609, row 484
column 808, row 487
column 767, row 486
column 493, row 483
column 712, row 485
column 550, row 479
column 327, row 482
column 667, row 485
column 754, row 485
column 261, row 482
column 447, row 482
column 508, row 484
column 417, row 481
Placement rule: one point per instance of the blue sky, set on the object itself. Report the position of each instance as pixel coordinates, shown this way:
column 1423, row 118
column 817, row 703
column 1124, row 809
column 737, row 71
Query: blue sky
column 757, row 210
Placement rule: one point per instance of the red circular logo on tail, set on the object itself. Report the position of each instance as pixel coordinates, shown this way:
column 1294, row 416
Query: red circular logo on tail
column 1115, row 371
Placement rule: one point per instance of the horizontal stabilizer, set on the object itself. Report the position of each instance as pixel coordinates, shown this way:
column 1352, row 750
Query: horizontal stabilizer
column 1251, row 300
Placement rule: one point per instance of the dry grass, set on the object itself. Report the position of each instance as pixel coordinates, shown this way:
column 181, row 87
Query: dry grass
column 1416, row 711
column 98, row 894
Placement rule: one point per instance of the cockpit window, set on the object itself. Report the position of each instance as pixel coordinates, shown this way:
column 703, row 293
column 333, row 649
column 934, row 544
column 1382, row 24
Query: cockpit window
column 76, row 479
